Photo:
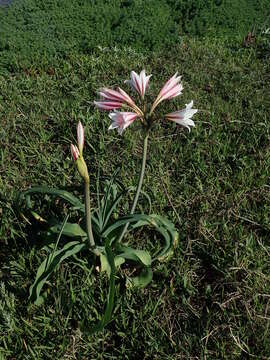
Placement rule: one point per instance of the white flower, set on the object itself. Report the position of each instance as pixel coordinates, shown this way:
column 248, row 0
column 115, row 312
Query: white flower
column 139, row 82
column 183, row 117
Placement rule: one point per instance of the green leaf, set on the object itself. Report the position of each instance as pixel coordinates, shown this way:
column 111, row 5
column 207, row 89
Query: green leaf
column 142, row 280
column 70, row 230
column 50, row 263
column 109, row 201
column 112, row 207
column 110, row 195
column 25, row 197
column 110, row 299
column 110, row 302
column 159, row 223
column 134, row 188
column 118, row 261
column 105, row 266
column 140, row 256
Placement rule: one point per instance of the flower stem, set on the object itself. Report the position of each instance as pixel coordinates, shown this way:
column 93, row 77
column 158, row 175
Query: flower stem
column 139, row 186
column 90, row 236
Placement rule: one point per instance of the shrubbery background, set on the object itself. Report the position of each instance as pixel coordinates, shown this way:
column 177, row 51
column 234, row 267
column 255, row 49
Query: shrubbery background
column 57, row 27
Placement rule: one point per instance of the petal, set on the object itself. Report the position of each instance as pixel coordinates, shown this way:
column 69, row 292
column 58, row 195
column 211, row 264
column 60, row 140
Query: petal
column 74, row 152
column 126, row 97
column 80, row 136
column 139, row 82
column 171, row 89
column 147, row 78
column 121, row 120
column 129, row 116
column 189, row 106
column 173, row 92
column 136, row 81
column 113, row 95
column 174, row 80
column 189, row 113
column 181, row 114
column 183, row 117
column 185, row 122
column 108, row 105
column 113, row 126
column 144, row 81
column 186, row 113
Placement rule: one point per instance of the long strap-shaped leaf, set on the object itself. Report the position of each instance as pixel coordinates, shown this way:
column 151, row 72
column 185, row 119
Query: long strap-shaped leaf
column 26, row 196
column 110, row 300
column 50, row 263
column 144, row 260
column 72, row 230
column 161, row 224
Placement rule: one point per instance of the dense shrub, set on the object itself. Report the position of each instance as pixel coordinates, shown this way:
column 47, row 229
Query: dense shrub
column 30, row 28
column 217, row 17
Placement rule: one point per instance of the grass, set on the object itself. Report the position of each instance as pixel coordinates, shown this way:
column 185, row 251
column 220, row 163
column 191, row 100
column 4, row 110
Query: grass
column 211, row 301
column 33, row 30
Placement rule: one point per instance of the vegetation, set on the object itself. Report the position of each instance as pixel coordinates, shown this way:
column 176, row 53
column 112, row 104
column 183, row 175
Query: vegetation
column 31, row 30
column 211, row 301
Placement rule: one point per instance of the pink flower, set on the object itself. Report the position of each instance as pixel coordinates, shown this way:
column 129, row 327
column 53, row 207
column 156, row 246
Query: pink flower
column 113, row 99
column 80, row 136
column 75, row 152
column 139, row 82
column 121, row 120
column 183, row 117
column 171, row 89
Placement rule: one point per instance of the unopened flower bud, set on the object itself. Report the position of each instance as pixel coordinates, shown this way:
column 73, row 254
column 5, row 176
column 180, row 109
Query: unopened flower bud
column 74, row 152
column 80, row 137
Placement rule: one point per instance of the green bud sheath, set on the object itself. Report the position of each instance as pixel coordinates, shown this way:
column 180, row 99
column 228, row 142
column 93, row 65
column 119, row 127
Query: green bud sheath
column 82, row 168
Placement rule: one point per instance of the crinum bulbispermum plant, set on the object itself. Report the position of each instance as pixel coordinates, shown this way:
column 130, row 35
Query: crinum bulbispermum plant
column 113, row 100
column 101, row 234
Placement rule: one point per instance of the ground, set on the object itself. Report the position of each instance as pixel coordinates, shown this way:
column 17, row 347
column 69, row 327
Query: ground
column 211, row 300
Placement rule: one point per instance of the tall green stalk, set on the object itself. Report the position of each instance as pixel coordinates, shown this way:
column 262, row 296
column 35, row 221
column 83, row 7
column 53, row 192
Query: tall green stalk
column 139, row 186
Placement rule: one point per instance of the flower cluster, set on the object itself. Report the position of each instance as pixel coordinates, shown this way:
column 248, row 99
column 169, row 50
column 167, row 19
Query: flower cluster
column 119, row 99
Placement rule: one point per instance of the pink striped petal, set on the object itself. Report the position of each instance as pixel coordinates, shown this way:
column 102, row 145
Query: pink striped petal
column 75, row 152
column 121, row 120
column 114, row 99
column 169, row 84
column 171, row 89
column 126, row 97
column 145, row 80
column 139, row 82
column 173, row 92
column 112, row 95
column 108, row 105
column 136, row 82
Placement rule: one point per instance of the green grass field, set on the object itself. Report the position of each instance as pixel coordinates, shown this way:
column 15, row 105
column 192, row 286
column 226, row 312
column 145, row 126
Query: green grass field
column 212, row 299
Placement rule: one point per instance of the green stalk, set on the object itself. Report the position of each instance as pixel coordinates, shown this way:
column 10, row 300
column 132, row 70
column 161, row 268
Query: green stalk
column 90, row 235
column 139, row 186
